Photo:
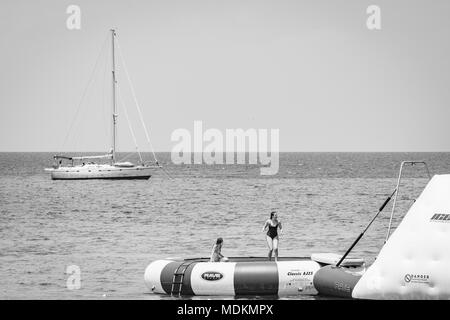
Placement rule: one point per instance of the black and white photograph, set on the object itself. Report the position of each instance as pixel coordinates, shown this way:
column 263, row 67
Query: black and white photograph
column 219, row 158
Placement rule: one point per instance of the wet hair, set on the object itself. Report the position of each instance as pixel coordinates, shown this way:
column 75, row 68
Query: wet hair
column 219, row 241
column 272, row 213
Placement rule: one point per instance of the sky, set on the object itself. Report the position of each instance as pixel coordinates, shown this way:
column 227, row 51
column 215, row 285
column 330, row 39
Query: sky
column 311, row 69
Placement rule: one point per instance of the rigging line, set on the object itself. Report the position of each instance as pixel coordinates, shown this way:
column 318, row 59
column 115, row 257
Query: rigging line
column 162, row 168
column 129, row 124
column 126, row 156
column 135, row 100
column 85, row 91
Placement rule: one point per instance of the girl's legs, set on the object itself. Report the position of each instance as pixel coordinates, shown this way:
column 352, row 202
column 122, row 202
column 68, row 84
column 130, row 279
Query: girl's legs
column 275, row 247
column 269, row 243
column 215, row 257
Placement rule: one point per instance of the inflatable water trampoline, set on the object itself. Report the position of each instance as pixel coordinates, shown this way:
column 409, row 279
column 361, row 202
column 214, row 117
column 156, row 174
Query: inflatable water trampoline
column 240, row 275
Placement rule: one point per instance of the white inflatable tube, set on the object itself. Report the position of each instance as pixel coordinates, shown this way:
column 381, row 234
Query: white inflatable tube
column 239, row 276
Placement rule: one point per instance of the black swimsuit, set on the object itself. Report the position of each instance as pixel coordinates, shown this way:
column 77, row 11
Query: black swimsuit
column 273, row 231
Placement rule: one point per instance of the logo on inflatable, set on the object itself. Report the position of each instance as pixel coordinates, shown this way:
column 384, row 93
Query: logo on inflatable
column 212, row 276
column 416, row 278
column 440, row 217
column 299, row 273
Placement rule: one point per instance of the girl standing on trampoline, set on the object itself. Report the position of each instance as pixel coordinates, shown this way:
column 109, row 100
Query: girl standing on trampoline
column 272, row 226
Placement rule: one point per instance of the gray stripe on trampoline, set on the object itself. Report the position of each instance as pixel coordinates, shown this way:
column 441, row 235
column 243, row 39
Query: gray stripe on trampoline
column 256, row 278
column 166, row 276
column 187, row 287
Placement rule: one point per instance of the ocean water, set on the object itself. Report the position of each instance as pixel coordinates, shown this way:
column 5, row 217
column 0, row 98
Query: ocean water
column 113, row 229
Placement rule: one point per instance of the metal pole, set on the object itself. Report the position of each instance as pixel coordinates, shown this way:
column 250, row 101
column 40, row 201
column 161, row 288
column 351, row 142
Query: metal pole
column 365, row 229
column 397, row 188
column 395, row 201
column 114, row 111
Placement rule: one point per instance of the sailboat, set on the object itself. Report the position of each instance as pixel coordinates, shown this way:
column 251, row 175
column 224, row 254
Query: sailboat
column 84, row 167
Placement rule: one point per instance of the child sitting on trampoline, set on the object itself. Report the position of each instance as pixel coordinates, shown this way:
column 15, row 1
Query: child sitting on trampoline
column 216, row 255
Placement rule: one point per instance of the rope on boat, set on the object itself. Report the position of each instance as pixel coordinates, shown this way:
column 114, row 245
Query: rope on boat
column 162, row 168
column 147, row 135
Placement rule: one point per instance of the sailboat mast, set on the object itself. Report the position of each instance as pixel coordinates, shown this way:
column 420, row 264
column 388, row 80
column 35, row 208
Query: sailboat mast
column 114, row 105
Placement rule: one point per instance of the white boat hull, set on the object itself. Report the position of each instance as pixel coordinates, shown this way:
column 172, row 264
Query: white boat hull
column 101, row 172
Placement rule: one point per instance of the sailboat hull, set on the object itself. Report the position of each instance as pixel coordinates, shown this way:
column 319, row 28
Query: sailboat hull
column 88, row 172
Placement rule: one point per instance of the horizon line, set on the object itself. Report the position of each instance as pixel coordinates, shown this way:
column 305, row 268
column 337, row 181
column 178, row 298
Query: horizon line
column 246, row 152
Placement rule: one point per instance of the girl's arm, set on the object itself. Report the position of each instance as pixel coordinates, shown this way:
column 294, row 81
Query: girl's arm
column 265, row 225
column 281, row 227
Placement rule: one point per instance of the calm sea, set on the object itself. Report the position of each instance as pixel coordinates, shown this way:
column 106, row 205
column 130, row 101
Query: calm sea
column 113, row 229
